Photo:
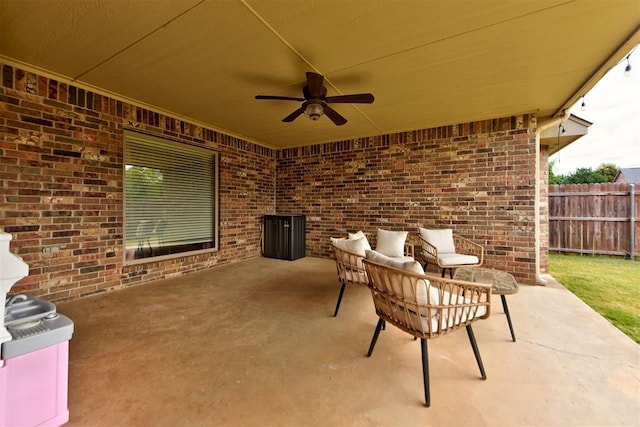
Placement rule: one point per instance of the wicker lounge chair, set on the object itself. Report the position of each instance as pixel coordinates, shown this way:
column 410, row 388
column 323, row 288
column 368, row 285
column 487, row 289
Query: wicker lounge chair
column 350, row 269
column 448, row 251
column 350, row 251
column 426, row 307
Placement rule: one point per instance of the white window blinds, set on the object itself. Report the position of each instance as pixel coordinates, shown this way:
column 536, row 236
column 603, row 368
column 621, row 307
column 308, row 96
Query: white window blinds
column 170, row 196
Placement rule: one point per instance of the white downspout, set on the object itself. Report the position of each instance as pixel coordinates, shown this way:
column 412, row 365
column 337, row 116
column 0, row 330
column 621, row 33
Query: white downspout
column 553, row 122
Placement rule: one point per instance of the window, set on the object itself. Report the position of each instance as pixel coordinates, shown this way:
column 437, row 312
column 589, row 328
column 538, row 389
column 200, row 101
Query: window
column 170, row 192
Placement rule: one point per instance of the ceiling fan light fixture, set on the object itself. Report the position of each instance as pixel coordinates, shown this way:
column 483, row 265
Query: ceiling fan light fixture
column 314, row 111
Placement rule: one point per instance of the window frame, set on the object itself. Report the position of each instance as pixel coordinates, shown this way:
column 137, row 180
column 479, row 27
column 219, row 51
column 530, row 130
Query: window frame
column 162, row 140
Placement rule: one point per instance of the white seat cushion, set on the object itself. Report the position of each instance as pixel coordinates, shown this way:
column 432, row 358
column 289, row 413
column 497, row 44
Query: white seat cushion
column 429, row 320
column 457, row 259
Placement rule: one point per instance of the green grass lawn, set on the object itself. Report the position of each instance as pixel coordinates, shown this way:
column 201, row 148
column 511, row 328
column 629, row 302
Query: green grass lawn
column 610, row 285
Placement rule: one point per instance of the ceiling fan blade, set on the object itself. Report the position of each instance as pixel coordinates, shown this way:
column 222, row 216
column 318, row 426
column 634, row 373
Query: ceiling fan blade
column 359, row 98
column 281, row 98
column 314, row 82
column 334, row 116
column 291, row 117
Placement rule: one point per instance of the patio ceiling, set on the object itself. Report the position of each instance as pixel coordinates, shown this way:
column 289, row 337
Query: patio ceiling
column 428, row 63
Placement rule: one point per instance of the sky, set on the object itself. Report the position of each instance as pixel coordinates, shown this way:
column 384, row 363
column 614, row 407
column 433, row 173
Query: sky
column 613, row 106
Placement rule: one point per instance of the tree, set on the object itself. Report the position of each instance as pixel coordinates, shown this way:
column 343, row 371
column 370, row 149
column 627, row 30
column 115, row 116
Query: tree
column 584, row 176
column 604, row 173
column 553, row 178
column 608, row 170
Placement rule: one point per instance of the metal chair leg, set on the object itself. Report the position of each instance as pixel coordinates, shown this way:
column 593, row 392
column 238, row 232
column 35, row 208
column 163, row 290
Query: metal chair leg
column 375, row 336
column 335, row 313
column 476, row 352
column 425, row 371
column 506, row 312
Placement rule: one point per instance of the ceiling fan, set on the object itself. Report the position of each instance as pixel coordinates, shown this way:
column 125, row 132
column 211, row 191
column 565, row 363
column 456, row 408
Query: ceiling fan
column 315, row 101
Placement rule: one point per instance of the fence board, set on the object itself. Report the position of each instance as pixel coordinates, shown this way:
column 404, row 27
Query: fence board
column 593, row 218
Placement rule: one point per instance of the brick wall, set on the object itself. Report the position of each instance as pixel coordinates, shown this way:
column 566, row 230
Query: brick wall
column 478, row 178
column 61, row 185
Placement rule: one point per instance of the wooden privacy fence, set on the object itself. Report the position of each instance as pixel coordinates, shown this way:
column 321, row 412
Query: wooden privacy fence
column 594, row 218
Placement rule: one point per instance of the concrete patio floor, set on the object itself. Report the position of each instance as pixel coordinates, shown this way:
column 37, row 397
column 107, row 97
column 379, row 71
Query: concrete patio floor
column 255, row 344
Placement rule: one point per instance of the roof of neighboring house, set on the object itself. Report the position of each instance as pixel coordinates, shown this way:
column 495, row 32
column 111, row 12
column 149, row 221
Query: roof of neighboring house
column 628, row 175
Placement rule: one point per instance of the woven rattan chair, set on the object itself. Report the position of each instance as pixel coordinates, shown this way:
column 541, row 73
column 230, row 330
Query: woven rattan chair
column 349, row 253
column 426, row 307
column 447, row 250
column 350, row 270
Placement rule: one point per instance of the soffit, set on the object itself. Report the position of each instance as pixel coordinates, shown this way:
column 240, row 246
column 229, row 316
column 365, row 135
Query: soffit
column 558, row 137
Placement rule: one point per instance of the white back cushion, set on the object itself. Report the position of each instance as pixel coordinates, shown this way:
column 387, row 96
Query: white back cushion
column 360, row 235
column 358, row 246
column 391, row 243
column 401, row 264
column 405, row 289
column 441, row 239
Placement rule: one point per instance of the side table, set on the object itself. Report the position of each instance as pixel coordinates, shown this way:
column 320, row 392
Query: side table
column 502, row 283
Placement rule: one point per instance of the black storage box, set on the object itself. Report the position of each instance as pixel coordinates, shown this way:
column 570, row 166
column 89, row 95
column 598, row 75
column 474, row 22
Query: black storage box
column 284, row 236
